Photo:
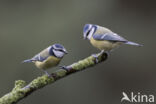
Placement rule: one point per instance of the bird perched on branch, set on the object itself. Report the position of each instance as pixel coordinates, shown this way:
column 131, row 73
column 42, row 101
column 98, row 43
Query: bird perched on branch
column 49, row 57
column 103, row 38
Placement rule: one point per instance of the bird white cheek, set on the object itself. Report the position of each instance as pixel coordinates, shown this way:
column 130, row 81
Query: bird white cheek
column 90, row 33
column 58, row 53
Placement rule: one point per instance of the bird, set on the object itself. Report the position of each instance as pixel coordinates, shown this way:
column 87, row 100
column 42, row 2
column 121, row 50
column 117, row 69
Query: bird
column 104, row 39
column 49, row 57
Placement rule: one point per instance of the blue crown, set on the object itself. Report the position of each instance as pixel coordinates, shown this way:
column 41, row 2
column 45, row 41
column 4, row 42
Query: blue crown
column 58, row 45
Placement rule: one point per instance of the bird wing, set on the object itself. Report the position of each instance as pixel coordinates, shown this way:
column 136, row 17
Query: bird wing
column 110, row 37
column 38, row 57
column 43, row 55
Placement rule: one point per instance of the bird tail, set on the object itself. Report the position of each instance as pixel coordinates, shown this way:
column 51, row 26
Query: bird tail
column 133, row 43
column 28, row 60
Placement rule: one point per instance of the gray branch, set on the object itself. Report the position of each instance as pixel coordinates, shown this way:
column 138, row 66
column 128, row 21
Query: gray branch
column 22, row 90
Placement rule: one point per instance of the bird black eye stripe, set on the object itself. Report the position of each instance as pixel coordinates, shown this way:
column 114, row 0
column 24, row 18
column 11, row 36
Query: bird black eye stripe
column 87, row 33
column 59, row 50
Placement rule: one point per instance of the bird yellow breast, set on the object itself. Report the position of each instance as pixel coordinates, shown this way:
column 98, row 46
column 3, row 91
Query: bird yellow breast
column 48, row 63
column 104, row 44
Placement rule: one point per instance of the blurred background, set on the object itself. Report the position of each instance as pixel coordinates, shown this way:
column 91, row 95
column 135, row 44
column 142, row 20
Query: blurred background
column 28, row 26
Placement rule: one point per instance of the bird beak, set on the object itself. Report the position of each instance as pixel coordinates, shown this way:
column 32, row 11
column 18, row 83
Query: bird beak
column 65, row 51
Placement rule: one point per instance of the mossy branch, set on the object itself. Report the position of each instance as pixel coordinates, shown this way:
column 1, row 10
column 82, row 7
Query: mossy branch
column 21, row 90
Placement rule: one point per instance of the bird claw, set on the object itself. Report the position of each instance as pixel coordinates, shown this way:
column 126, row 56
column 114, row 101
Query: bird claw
column 47, row 73
column 97, row 55
column 96, row 58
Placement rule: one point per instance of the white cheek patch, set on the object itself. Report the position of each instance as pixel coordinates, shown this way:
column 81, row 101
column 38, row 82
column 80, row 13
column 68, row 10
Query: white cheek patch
column 91, row 33
column 58, row 53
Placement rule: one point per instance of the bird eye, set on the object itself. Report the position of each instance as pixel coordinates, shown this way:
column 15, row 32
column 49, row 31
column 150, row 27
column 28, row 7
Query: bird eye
column 59, row 50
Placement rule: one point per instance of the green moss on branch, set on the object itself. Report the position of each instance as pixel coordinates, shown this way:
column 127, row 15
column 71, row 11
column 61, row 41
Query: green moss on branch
column 21, row 90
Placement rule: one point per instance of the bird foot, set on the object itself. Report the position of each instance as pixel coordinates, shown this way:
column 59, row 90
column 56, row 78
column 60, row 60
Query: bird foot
column 96, row 58
column 47, row 73
column 97, row 55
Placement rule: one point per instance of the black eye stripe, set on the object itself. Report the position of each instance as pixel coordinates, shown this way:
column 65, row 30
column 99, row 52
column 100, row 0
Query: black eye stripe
column 93, row 27
column 59, row 50
column 88, row 33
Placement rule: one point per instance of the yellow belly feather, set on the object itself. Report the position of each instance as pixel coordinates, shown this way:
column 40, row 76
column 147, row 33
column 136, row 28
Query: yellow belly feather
column 104, row 45
column 48, row 63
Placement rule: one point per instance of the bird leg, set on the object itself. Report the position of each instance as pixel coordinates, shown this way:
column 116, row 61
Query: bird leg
column 96, row 58
column 47, row 73
column 97, row 55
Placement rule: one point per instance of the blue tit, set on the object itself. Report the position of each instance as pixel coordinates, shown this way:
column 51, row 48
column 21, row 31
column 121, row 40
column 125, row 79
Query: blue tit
column 103, row 38
column 49, row 57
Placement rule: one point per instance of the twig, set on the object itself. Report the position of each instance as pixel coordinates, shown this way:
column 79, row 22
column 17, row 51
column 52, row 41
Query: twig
column 21, row 90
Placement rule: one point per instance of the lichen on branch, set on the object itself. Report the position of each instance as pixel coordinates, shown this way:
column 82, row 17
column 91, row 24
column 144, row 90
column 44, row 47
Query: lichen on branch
column 21, row 89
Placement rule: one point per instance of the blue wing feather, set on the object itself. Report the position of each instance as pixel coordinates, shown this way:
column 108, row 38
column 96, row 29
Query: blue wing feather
column 39, row 57
column 43, row 55
column 36, row 58
column 109, row 37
